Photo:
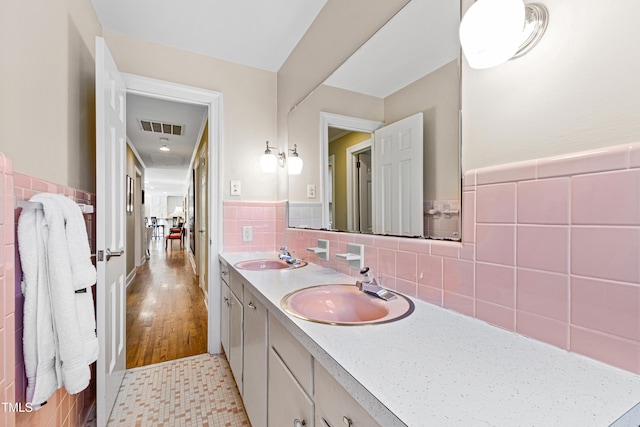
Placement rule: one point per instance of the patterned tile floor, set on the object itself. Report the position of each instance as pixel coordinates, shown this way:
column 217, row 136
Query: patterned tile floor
column 197, row 391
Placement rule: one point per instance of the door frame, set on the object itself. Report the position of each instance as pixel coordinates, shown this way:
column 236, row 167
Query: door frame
column 138, row 213
column 328, row 120
column 155, row 88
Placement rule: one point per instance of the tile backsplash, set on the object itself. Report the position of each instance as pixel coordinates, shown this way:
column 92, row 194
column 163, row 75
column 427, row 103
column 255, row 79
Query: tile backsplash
column 550, row 249
column 62, row 408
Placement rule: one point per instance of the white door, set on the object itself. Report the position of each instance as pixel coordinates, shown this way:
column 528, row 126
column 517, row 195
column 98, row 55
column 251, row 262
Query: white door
column 110, row 228
column 397, row 178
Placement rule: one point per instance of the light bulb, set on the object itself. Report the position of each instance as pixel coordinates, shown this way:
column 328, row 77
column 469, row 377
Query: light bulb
column 294, row 165
column 268, row 163
column 491, row 32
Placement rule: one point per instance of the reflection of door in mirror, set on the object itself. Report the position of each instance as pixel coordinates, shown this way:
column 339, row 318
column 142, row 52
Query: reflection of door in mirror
column 397, row 179
column 378, row 180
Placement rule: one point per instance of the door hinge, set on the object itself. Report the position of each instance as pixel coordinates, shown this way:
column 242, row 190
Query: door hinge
column 358, row 164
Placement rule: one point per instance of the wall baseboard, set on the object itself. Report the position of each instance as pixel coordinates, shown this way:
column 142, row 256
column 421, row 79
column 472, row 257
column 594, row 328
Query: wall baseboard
column 130, row 277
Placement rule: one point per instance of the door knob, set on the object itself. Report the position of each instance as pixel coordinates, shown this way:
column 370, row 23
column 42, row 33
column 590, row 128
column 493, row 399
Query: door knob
column 114, row 253
column 108, row 254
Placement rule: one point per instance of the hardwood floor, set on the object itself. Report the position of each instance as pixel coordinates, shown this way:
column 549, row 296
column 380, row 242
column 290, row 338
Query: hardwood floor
column 166, row 314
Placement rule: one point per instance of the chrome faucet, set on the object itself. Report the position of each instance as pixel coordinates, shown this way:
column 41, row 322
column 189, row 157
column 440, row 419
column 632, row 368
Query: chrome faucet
column 284, row 255
column 369, row 285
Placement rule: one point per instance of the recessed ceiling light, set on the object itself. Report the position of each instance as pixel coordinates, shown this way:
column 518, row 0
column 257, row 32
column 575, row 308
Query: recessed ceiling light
column 164, row 147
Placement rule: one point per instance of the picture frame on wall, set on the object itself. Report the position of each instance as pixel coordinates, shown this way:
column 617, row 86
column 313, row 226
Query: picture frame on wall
column 130, row 194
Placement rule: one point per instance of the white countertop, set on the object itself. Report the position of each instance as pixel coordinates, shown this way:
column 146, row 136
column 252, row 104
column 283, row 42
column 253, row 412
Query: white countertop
column 440, row 368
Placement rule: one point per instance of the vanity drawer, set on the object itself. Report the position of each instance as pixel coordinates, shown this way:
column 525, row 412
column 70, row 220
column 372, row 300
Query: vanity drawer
column 293, row 354
column 334, row 406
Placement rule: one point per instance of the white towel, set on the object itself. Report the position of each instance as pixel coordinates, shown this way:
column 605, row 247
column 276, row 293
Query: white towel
column 55, row 256
column 82, row 271
column 38, row 336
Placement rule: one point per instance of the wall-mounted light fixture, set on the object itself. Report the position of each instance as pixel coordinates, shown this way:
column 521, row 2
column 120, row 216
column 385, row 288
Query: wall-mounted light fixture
column 495, row 31
column 295, row 162
column 269, row 161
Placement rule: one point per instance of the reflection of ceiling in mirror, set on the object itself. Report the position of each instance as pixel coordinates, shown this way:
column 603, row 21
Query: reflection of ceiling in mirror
column 421, row 38
column 335, row 133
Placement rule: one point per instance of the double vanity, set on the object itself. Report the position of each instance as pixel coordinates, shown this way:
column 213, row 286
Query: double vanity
column 307, row 347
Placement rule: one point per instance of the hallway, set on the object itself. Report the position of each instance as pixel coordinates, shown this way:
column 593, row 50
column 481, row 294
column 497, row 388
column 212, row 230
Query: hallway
column 166, row 313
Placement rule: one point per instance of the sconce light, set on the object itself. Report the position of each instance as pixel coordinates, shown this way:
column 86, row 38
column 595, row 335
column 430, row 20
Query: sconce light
column 295, row 162
column 495, row 31
column 269, row 161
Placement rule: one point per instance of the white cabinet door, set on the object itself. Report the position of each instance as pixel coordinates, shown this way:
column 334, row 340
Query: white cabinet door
column 225, row 313
column 235, row 339
column 397, row 182
column 288, row 402
column 255, row 360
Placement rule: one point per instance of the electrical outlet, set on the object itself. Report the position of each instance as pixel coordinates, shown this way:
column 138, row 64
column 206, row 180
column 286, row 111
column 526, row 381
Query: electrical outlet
column 247, row 233
column 236, row 188
column 311, row 191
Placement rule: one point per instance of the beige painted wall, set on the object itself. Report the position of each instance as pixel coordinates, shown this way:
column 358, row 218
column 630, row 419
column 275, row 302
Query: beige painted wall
column 340, row 28
column 249, row 104
column 578, row 89
column 47, row 102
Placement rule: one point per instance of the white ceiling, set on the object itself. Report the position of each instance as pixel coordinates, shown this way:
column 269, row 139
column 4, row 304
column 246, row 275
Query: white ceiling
column 421, row 38
column 258, row 33
column 166, row 173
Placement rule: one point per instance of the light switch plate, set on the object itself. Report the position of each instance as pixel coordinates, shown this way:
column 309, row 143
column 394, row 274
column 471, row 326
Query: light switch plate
column 311, row 191
column 247, row 233
column 236, row 188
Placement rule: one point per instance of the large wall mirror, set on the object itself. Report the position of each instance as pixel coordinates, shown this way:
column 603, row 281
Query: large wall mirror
column 380, row 137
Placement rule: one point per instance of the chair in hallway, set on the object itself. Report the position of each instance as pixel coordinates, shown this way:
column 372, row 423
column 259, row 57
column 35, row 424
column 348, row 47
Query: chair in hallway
column 175, row 233
column 154, row 224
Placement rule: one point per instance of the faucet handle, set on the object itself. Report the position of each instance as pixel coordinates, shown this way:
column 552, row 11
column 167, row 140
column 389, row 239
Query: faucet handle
column 366, row 275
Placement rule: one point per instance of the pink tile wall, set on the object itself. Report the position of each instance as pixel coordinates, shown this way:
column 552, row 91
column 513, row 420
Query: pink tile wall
column 62, row 409
column 260, row 216
column 550, row 250
column 7, row 299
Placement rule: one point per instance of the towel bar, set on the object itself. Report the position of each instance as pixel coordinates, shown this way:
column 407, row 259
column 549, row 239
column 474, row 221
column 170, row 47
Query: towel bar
column 37, row 205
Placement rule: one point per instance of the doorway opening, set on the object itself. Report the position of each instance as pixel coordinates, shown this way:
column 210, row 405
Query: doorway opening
column 183, row 264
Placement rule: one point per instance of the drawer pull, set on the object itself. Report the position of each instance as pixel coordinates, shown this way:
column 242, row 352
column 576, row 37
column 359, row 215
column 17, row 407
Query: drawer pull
column 347, row 421
column 252, row 305
column 299, row 423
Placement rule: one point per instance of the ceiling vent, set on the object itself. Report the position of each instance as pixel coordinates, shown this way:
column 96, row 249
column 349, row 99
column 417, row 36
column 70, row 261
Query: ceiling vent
column 161, row 127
